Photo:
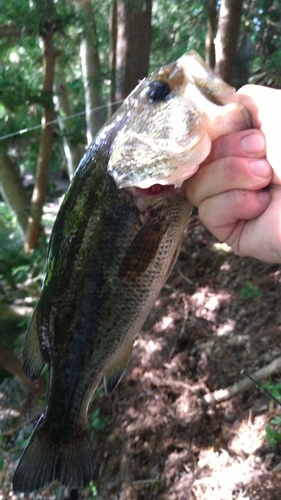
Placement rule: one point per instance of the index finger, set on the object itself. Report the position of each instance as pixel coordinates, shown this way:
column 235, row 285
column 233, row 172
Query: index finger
column 247, row 143
column 264, row 104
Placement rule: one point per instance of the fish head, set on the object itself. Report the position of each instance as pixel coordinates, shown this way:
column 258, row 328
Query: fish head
column 169, row 122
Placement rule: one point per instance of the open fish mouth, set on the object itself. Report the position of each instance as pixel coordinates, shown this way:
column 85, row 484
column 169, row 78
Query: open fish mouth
column 155, row 190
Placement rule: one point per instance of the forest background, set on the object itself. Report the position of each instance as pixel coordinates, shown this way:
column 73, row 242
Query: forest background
column 65, row 67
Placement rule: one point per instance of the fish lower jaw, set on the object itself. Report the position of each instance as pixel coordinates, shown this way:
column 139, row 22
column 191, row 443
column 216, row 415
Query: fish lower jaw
column 167, row 186
column 155, row 189
column 154, row 192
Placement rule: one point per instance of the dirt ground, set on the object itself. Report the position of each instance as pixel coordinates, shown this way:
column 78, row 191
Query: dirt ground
column 167, row 437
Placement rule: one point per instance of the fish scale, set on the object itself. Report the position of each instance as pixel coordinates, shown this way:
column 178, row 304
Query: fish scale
column 114, row 242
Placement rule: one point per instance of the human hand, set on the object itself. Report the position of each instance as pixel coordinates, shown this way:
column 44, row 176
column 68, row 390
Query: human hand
column 229, row 188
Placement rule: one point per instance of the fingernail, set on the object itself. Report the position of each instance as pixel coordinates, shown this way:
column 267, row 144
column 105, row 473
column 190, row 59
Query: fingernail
column 253, row 143
column 260, row 168
column 264, row 197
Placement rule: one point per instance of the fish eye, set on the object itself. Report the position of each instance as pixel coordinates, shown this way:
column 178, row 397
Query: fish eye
column 158, row 90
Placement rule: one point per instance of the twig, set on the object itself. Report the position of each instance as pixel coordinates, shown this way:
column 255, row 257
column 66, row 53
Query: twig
column 189, row 281
column 243, row 385
column 22, row 424
column 260, row 387
column 141, row 482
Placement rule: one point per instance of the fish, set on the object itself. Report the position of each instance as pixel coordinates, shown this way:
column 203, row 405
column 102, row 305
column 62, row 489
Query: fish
column 115, row 240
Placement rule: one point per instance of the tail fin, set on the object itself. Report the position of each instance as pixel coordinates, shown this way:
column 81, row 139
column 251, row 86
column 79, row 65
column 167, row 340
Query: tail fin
column 45, row 460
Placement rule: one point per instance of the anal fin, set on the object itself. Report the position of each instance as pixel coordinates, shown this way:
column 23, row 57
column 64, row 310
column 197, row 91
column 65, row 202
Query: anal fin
column 113, row 377
column 33, row 359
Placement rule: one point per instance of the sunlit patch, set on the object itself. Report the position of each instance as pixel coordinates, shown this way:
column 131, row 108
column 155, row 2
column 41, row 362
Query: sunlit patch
column 148, row 347
column 248, row 436
column 207, row 303
column 8, row 413
column 225, row 266
column 222, row 247
column 220, row 474
column 164, row 323
column 152, row 346
column 213, row 303
column 14, row 57
column 226, row 328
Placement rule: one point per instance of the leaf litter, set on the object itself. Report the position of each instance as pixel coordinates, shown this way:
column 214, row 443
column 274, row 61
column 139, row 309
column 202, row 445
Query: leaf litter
column 218, row 314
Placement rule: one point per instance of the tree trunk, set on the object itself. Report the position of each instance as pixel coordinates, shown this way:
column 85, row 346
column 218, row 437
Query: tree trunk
column 13, row 191
column 63, row 107
column 132, row 45
column 45, row 149
column 210, row 56
column 227, row 37
column 112, row 57
column 95, row 114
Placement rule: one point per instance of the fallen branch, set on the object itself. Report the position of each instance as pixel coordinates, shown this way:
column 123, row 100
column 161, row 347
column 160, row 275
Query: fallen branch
column 13, row 365
column 243, row 385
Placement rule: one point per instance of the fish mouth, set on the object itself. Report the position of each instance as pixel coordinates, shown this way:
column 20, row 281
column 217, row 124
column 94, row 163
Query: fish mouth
column 155, row 189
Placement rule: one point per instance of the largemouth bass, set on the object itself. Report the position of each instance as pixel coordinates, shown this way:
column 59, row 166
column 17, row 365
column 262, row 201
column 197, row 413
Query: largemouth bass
column 114, row 242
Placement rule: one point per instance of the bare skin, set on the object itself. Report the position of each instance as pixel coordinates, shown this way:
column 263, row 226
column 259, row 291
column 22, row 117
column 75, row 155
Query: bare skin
column 238, row 188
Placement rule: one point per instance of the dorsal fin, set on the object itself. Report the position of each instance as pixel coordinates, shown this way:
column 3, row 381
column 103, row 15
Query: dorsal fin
column 144, row 246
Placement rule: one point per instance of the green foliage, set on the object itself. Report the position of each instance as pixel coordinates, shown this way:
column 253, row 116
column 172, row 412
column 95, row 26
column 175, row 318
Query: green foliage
column 249, row 290
column 15, row 266
column 20, row 278
column 93, row 490
column 176, row 28
column 2, row 456
column 260, row 42
column 98, row 422
column 266, row 70
column 273, row 436
column 274, row 389
column 22, row 438
column 21, row 97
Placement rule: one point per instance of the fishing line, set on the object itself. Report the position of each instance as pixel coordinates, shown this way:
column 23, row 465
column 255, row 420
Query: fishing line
column 36, row 127
column 260, row 387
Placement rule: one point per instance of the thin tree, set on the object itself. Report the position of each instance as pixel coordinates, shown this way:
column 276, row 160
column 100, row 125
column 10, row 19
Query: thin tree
column 113, row 105
column 45, row 148
column 210, row 55
column 132, row 45
column 13, row 192
column 227, row 37
column 90, row 62
column 72, row 151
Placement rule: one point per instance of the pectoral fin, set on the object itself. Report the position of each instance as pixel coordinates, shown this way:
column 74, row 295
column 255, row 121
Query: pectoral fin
column 113, row 377
column 33, row 360
column 144, row 246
